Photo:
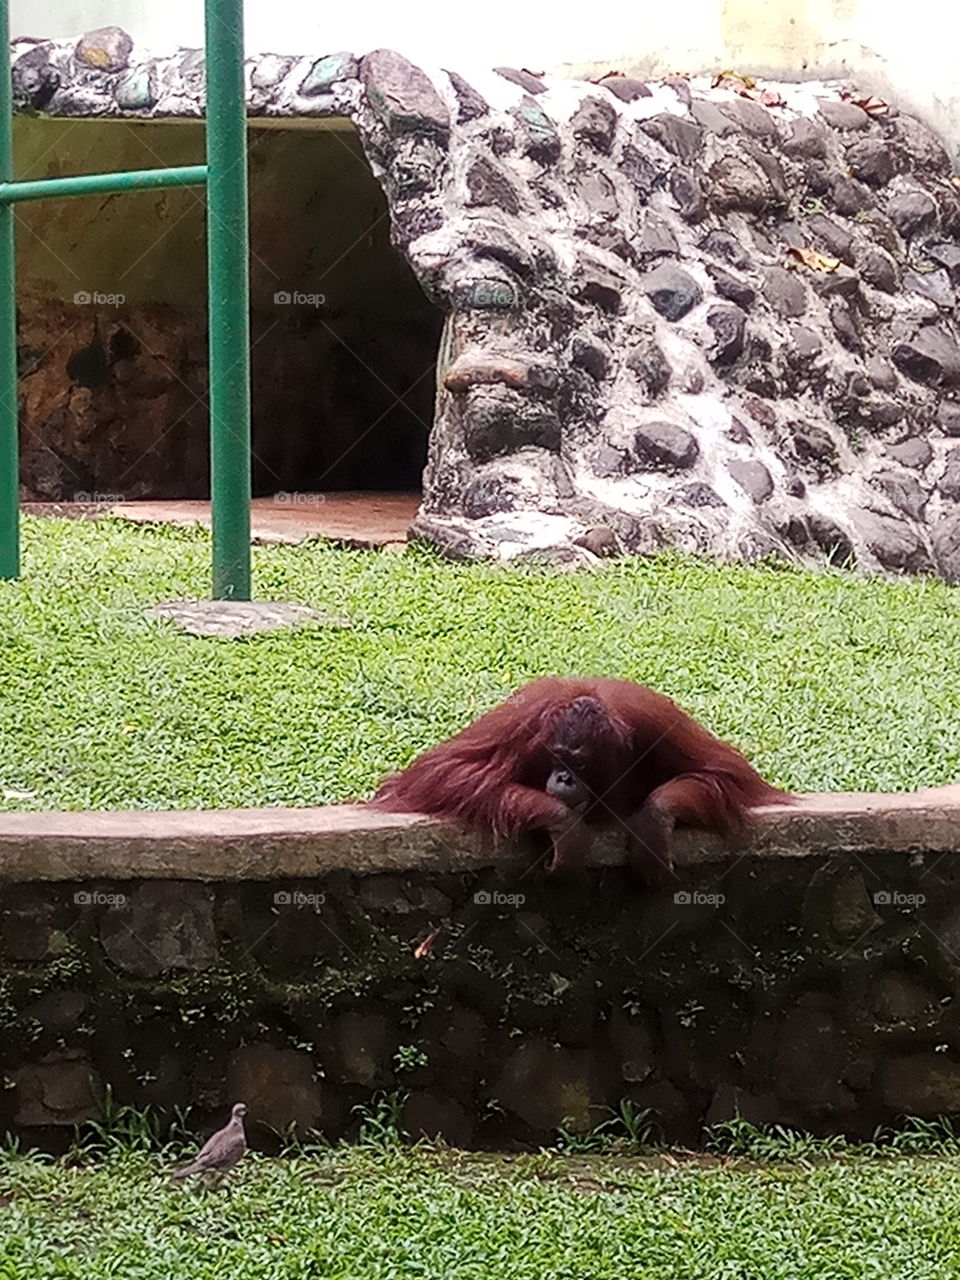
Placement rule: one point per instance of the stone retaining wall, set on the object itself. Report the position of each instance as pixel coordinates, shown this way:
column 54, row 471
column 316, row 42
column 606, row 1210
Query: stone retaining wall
column 305, row 960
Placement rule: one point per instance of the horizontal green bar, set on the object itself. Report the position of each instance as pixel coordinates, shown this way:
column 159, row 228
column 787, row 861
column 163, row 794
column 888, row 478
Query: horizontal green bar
column 99, row 184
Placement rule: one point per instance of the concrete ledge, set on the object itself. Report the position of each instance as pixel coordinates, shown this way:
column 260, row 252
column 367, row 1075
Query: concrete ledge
column 254, row 844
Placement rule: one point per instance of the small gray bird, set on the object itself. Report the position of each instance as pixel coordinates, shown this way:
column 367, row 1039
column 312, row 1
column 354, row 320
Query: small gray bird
column 222, row 1150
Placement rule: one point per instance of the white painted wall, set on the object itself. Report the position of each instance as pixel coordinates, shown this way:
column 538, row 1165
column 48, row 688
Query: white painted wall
column 907, row 52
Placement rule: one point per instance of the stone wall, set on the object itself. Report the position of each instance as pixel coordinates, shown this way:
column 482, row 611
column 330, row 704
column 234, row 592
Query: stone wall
column 306, row 960
column 714, row 316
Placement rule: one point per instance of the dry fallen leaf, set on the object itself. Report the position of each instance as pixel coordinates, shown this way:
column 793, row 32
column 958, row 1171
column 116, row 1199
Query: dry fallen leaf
column 813, row 259
column 872, row 105
column 423, row 949
column 746, row 87
column 731, row 79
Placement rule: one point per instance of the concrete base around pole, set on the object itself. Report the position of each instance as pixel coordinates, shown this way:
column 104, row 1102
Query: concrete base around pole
column 230, row 619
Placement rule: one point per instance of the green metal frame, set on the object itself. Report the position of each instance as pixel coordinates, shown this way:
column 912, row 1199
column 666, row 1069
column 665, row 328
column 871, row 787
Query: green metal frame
column 228, row 283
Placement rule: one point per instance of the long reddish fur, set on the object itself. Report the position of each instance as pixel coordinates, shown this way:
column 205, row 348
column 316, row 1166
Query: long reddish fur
column 472, row 777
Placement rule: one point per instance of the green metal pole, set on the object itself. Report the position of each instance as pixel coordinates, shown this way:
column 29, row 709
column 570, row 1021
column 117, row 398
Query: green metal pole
column 9, row 396
column 98, row 184
column 229, row 294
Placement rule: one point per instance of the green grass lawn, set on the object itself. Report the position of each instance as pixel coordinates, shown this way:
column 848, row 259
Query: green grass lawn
column 826, row 680
column 434, row 1215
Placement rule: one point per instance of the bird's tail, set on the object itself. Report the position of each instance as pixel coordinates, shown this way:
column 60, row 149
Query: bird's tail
column 186, row 1171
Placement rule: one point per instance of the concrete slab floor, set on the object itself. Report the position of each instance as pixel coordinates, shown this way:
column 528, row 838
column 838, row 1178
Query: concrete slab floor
column 359, row 519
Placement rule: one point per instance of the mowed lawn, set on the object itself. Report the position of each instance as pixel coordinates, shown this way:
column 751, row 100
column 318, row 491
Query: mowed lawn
column 435, row 1215
column 827, row 681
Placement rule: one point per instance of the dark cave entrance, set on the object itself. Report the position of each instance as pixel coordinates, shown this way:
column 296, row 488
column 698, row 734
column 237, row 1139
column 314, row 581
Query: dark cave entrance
column 113, row 338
